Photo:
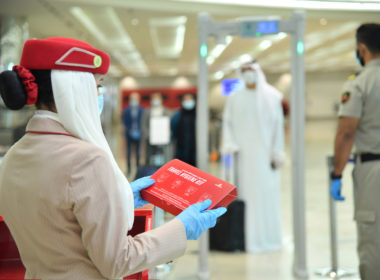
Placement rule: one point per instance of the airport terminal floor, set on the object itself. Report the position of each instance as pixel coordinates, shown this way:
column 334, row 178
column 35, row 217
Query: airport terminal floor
column 277, row 265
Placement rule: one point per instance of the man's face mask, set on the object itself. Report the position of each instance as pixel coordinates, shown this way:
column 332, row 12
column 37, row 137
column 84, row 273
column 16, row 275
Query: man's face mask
column 250, row 77
column 359, row 59
column 156, row 102
column 134, row 103
column 188, row 104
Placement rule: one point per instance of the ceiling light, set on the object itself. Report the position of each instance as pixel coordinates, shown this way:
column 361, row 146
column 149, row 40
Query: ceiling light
column 219, row 75
column 316, row 39
column 80, row 15
column 135, row 21
column 210, row 60
column 118, row 43
column 358, row 5
column 218, row 50
column 168, row 35
column 265, row 45
column 245, row 58
column 281, row 35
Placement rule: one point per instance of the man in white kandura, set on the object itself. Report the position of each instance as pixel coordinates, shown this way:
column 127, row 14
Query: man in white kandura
column 253, row 131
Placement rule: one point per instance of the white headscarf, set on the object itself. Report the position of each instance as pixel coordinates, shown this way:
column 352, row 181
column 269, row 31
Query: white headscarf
column 75, row 97
column 271, row 97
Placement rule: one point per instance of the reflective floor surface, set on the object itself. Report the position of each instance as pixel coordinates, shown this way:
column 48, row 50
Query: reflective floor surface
column 278, row 265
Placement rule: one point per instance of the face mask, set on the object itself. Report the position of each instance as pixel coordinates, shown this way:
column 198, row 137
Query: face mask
column 359, row 59
column 134, row 103
column 250, row 77
column 156, row 102
column 100, row 103
column 188, row 104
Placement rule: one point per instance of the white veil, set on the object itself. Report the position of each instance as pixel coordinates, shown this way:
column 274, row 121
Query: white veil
column 270, row 97
column 75, row 97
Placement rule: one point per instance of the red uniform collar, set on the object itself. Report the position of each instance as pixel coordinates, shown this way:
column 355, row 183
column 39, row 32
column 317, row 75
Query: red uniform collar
column 49, row 132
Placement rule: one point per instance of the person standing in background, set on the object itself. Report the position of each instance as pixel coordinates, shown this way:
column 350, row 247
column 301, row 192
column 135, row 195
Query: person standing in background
column 156, row 155
column 183, row 130
column 359, row 124
column 132, row 120
column 253, row 131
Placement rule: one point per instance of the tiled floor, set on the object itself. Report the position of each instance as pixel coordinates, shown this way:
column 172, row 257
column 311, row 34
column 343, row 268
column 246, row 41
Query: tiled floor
column 278, row 265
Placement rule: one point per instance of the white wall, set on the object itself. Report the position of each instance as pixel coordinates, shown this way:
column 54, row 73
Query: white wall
column 323, row 92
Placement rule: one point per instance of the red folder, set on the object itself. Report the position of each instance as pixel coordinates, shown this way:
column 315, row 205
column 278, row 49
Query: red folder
column 179, row 185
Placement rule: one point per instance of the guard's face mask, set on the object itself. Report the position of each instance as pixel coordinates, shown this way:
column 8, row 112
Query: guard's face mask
column 250, row 77
column 359, row 59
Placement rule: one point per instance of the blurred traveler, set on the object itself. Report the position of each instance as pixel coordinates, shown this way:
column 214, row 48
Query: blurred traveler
column 132, row 120
column 253, row 131
column 156, row 152
column 183, row 130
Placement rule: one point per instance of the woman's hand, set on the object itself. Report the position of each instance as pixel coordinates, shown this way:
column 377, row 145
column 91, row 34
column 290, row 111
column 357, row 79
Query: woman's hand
column 139, row 185
column 197, row 219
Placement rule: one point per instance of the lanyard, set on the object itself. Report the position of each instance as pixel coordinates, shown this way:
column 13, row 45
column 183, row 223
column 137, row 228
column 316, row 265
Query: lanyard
column 48, row 132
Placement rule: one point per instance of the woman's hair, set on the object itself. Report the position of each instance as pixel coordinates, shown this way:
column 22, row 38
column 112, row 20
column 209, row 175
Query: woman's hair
column 14, row 94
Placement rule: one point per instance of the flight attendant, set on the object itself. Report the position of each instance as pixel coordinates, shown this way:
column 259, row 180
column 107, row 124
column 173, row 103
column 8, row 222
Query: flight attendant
column 65, row 200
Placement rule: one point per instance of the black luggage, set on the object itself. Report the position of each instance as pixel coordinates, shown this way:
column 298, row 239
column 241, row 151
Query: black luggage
column 228, row 234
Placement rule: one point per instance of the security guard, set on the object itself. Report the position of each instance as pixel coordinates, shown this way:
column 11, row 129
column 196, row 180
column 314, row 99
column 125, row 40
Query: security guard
column 359, row 123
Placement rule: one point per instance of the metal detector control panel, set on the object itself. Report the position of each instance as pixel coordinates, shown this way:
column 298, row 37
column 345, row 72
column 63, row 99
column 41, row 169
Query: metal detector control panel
column 258, row 28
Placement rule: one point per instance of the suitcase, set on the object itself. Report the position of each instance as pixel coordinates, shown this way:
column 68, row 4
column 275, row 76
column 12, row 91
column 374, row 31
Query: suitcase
column 228, row 234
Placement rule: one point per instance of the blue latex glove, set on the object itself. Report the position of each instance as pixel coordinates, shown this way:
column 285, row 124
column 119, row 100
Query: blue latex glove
column 197, row 219
column 139, row 185
column 335, row 188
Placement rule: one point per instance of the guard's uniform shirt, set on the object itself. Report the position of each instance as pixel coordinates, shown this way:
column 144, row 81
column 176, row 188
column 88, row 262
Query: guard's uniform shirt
column 361, row 99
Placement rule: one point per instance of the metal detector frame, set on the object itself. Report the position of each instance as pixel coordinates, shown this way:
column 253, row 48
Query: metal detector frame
column 295, row 26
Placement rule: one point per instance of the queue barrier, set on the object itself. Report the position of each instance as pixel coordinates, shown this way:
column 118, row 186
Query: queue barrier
column 334, row 272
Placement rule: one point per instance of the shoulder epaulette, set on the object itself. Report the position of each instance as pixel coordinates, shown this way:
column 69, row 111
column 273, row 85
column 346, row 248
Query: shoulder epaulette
column 353, row 76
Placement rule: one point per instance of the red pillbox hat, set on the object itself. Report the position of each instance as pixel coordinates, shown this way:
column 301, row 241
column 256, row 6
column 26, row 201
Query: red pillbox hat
column 64, row 54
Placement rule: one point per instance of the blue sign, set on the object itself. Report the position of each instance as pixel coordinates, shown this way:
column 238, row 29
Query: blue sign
column 230, row 85
column 267, row 27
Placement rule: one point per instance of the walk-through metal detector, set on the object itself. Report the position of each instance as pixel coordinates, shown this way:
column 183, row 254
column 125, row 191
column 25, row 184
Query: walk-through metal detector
column 248, row 28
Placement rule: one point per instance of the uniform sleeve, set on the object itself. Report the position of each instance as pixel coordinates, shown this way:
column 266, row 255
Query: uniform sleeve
column 229, row 143
column 352, row 99
column 101, row 212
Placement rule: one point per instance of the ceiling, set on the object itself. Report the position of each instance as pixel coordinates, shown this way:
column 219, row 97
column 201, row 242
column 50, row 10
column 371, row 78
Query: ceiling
column 159, row 37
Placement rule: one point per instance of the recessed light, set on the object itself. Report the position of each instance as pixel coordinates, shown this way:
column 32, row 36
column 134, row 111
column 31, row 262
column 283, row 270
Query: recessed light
column 323, row 21
column 135, row 21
